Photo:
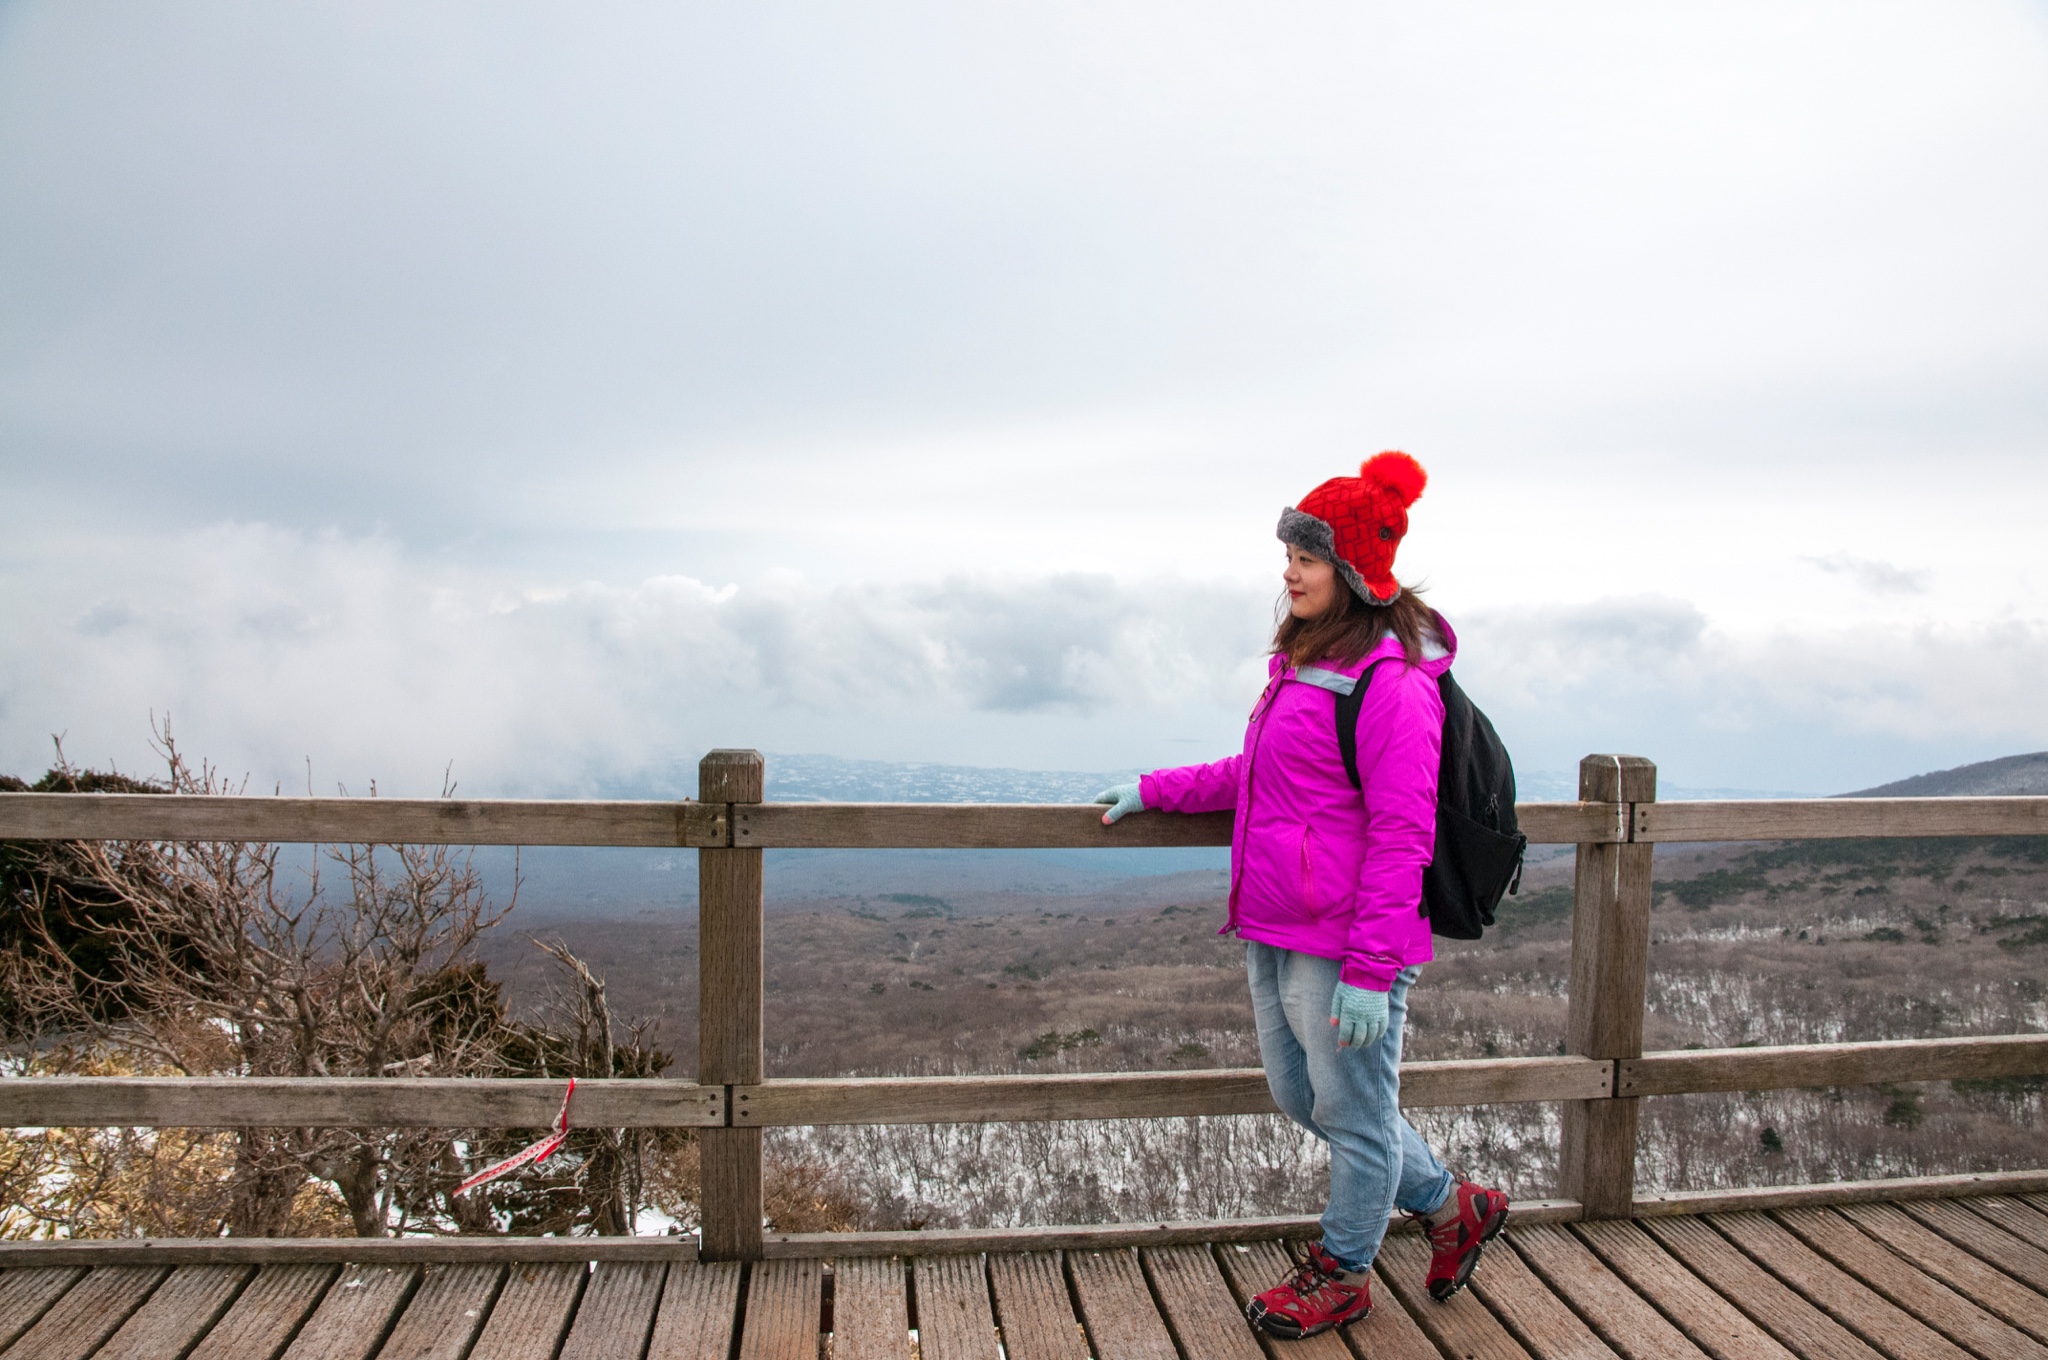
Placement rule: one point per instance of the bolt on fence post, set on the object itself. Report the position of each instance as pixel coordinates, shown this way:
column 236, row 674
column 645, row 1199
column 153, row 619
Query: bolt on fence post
column 1610, row 973
column 729, row 895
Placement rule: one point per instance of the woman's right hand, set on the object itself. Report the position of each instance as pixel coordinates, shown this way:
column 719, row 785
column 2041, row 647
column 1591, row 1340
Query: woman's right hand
column 1123, row 799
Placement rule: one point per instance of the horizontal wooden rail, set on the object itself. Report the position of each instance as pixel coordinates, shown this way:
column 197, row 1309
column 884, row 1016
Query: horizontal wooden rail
column 353, row 1102
column 1808, row 1065
column 427, row 1102
column 782, row 826
column 1798, row 819
column 380, row 821
column 1138, row 1095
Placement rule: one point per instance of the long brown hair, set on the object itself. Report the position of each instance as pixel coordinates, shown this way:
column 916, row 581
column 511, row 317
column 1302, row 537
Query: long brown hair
column 1350, row 628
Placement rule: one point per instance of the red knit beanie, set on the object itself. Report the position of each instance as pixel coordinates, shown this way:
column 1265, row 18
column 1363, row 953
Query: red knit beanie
column 1356, row 523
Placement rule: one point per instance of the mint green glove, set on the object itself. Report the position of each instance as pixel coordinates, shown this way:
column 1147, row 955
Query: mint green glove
column 1359, row 1015
column 1123, row 800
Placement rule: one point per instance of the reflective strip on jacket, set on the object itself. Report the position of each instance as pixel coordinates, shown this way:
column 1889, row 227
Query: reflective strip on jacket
column 1317, row 866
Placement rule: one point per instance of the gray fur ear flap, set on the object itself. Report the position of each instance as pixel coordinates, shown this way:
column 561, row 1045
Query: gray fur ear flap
column 1308, row 533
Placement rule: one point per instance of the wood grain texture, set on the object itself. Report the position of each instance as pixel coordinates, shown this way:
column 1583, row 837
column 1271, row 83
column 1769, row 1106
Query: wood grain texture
column 1569, row 1269
column 450, row 821
column 1094, row 1237
column 1708, row 1320
column 356, row 1313
column 1537, row 1317
column 699, row 1310
column 88, row 1313
column 616, row 1315
column 2011, row 1214
column 729, row 990
column 1688, row 1202
column 183, row 1251
column 1609, row 975
column 1195, row 1302
column 1987, row 1266
column 1990, row 1290
column 954, row 1320
column 180, row 1311
column 1116, row 1306
column 446, row 1313
column 267, row 1313
column 1798, row 1325
column 870, row 1310
column 1032, row 1309
column 532, row 1312
column 354, row 1102
column 26, row 1294
column 1135, row 1095
column 1902, row 1283
column 336, row 821
column 1810, row 1065
column 1794, row 819
column 1835, row 1292
column 1461, row 1327
column 785, row 1304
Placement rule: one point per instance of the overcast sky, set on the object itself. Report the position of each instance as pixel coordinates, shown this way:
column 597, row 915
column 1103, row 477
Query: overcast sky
column 562, row 390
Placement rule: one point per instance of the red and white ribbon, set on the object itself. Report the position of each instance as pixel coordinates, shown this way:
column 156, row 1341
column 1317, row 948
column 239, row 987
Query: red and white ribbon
column 532, row 1152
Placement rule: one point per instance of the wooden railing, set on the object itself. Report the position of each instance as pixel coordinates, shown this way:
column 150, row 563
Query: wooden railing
column 1600, row 1078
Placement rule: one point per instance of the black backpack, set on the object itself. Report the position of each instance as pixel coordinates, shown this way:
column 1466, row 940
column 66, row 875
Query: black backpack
column 1478, row 849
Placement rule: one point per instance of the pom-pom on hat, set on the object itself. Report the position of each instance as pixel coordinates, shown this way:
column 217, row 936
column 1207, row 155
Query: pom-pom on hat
column 1358, row 522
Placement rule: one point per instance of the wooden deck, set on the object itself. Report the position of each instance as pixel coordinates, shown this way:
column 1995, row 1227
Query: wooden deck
column 1942, row 1279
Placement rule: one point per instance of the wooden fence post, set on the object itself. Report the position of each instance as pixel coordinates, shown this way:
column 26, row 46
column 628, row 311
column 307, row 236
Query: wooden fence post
column 729, row 894
column 1610, row 971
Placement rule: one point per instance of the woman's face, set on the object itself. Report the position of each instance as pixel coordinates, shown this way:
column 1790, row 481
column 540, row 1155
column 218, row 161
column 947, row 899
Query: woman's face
column 1312, row 584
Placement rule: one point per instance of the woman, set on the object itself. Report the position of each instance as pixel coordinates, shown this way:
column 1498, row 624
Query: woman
column 1326, row 886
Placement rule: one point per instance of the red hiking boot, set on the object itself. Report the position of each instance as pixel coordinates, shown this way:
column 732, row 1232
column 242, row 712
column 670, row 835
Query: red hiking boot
column 1454, row 1246
column 1319, row 1295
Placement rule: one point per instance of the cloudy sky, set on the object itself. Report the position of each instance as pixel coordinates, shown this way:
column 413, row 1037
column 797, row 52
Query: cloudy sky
column 562, row 390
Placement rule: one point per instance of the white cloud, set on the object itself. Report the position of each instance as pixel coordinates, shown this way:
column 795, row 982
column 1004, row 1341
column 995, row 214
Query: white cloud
column 271, row 648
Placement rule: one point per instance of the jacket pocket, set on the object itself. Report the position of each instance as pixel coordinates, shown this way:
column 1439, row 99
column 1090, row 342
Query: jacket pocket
column 1311, row 904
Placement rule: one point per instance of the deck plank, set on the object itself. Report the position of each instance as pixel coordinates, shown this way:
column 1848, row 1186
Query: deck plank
column 1462, row 1325
column 2012, row 1214
column 785, row 1304
column 1977, row 1260
column 446, row 1313
column 1195, row 1302
column 617, row 1313
column 700, row 1306
column 954, row 1321
column 870, row 1309
column 1569, row 1269
column 1539, row 1319
column 1835, row 1291
column 1116, row 1306
column 355, row 1314
column 88, row 1313
column 1903, row 1285
column 181, row 1311
column 1922, row 1254
column 1708, row 1320
column 1801, row 1327
column 267, row 1313
column 26, row 1294
column 1033, row 1309
column 532, row 1312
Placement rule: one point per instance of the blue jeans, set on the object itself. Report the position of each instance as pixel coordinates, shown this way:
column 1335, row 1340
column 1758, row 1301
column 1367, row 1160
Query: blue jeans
column 1350, row 1098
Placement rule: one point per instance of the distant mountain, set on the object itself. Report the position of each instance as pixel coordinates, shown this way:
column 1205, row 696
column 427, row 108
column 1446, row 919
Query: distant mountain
column 2008, row 776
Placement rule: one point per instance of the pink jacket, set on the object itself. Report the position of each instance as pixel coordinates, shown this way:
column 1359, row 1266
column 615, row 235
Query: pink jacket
column 1314, row 866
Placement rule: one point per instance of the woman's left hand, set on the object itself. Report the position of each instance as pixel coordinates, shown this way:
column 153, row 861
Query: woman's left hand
column 1359, row 1015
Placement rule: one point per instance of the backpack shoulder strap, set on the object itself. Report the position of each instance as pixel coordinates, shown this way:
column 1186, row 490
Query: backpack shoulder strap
column 1348, row 706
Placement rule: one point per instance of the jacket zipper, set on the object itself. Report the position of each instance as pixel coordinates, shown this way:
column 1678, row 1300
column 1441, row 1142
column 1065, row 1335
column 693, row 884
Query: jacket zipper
column 1260, row 711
